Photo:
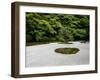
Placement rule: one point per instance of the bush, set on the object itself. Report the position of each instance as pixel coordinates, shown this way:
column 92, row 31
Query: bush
column 56, row 27
column 28, row 38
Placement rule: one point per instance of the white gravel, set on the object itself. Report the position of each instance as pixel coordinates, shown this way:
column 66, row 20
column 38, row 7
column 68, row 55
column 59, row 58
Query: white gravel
column 44, row 55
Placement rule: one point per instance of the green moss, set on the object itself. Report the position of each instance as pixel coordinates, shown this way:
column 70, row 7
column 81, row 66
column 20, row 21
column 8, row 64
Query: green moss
column 65, row 43
column 67, row 50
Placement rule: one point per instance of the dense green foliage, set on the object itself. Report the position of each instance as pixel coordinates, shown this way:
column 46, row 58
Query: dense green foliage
column 67, row 50
column 44, row 27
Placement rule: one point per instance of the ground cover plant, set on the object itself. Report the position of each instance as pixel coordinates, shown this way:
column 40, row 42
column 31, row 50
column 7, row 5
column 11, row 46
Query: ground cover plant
column 67, row 50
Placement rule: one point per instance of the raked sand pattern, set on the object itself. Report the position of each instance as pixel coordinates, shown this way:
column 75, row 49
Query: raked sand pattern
column 45, row 55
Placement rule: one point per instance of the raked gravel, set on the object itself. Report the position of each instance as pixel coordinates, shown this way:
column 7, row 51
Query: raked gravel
column 45, row 55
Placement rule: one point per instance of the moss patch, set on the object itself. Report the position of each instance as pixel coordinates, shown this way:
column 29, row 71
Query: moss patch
column 65, row 43
column 67, row 50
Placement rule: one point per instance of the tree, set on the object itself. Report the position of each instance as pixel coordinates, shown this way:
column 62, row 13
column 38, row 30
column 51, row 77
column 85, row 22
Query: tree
column 46, row 27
